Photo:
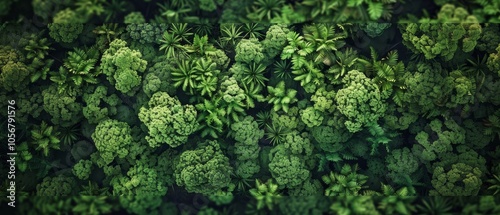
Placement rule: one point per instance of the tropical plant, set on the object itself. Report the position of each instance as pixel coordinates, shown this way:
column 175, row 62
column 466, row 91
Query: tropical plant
column 266, row 194
column 280, row 97
column 171, row 43
column 211, row 118
column 45, row 138
column 276, row 134
column 265, row 10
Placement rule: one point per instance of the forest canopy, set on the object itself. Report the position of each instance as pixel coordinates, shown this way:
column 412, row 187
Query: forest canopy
column 250, row 107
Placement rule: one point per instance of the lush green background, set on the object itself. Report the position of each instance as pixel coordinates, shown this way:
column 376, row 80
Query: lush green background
column 257, row 107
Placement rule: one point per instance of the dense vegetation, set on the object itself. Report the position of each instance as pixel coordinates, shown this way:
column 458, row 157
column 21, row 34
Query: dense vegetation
column 256, row 107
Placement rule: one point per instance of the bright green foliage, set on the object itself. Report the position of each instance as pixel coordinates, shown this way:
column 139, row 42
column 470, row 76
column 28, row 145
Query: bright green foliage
column 171, row 42
column 290, row 120
column 134, row 18
column 276, row 132
column 168, row 121
column 28, row 104
column 13, row 72
column 204, row 170
column 296, row 49
column 379, row 135
column 89, row 8
column 460, row 180
column 459, row 88
column 487, row 11
column 78, row 69
column 462, row 154
column 401, row 163
column 246, row 131
column 121, row 66
column 298, row 144
column 158, row 78
column 348, row 10
column 45, row 138
column 324, row 40
column 200, row 46
column 248, row 51
column 92, row 205
column 233, row 98
column 82, row 169
column 36, row 46
column 8, row 53
column 437, row 139
column 141, row 190
column 200, row 75
column 424, row 92
column 149, row 52
column 311, row 117
column 397, row 201
column 56, row 186
column 265, row 10
column 223, row 197
column 106, row 33
column 345, row 183
column 275, row 40
column 208, row 80
column 299, row 51
column 247, row 134
column 99, row 105
column 146, row 32
column 278, row 126
column 211, row 118
column 453, row 28
column 14, row 76
column 219, row 57
column 494, row 61
column 112, row 139
column 231, row 34
column 389, row 72
column 324, row 100
column 280, row 97
column 209, row 5
column 266, row 194
column 346, row 60
column 250, row 75
column 24, row 156
column 360, row 101
column 62, row 106
column 253, row 95
column 330, row 139
column 398, row 118
column 287, row 168
column 362, row 205
column 66, row 26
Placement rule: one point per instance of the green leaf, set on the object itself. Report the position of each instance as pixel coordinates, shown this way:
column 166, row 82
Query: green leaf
column 354, row 3
column 375, row 10
column 35, row 77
